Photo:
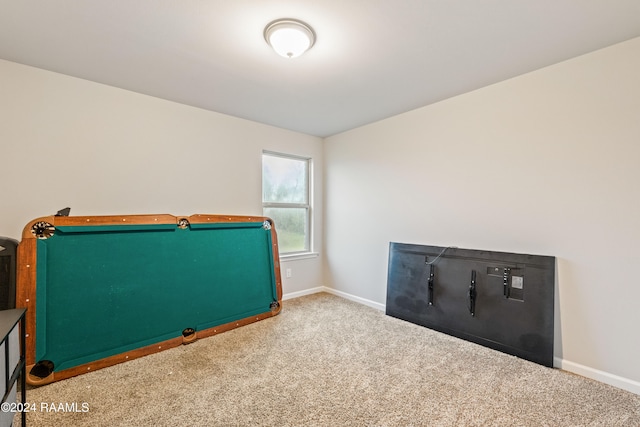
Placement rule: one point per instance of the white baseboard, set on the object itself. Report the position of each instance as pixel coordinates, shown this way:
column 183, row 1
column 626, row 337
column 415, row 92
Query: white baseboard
column 354, row 298
column 332, row 291
column 601, row 376
column 585, row 371
column 298, row 294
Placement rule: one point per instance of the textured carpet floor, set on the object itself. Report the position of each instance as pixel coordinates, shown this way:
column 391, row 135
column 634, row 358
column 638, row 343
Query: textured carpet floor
column 326, row 361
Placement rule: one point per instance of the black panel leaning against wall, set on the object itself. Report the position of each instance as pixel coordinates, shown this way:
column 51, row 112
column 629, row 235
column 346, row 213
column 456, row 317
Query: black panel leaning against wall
column 8, row 249
column 503, row 301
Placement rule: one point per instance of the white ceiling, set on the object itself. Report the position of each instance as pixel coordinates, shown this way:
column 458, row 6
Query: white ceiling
column 372, row 58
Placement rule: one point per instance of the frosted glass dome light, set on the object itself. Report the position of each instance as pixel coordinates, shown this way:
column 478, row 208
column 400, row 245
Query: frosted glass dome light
column 289, row 37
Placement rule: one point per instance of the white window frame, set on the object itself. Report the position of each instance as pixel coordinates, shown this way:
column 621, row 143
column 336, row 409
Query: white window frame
column 307, row 206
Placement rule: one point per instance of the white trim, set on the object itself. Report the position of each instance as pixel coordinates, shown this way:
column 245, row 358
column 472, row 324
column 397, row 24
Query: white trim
column 332, row 291
column 350, row 297
column 601, row 376
column 295, row 257
column 291, row 295
column 285, row 155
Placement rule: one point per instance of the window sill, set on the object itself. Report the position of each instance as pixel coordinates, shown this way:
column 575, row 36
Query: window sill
column 295, row 257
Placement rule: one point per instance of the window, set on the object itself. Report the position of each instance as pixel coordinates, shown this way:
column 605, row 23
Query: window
column 285, row 199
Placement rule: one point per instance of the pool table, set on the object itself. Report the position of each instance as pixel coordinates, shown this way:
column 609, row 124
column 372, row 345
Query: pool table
column 101, row 290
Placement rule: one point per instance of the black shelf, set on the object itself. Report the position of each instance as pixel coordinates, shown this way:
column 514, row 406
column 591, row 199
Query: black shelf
column 8, row 321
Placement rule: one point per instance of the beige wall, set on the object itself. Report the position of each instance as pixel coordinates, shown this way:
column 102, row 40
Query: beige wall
column 546, row 163
column 102, row 150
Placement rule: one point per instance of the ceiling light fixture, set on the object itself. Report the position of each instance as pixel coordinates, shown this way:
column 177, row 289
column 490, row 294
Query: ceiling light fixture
column 289, row 37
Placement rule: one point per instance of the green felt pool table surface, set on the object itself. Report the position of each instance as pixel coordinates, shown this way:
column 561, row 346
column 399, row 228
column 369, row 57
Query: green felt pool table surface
column 103, row 290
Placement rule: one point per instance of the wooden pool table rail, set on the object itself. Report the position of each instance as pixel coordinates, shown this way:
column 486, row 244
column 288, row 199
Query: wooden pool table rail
column 26, row 279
